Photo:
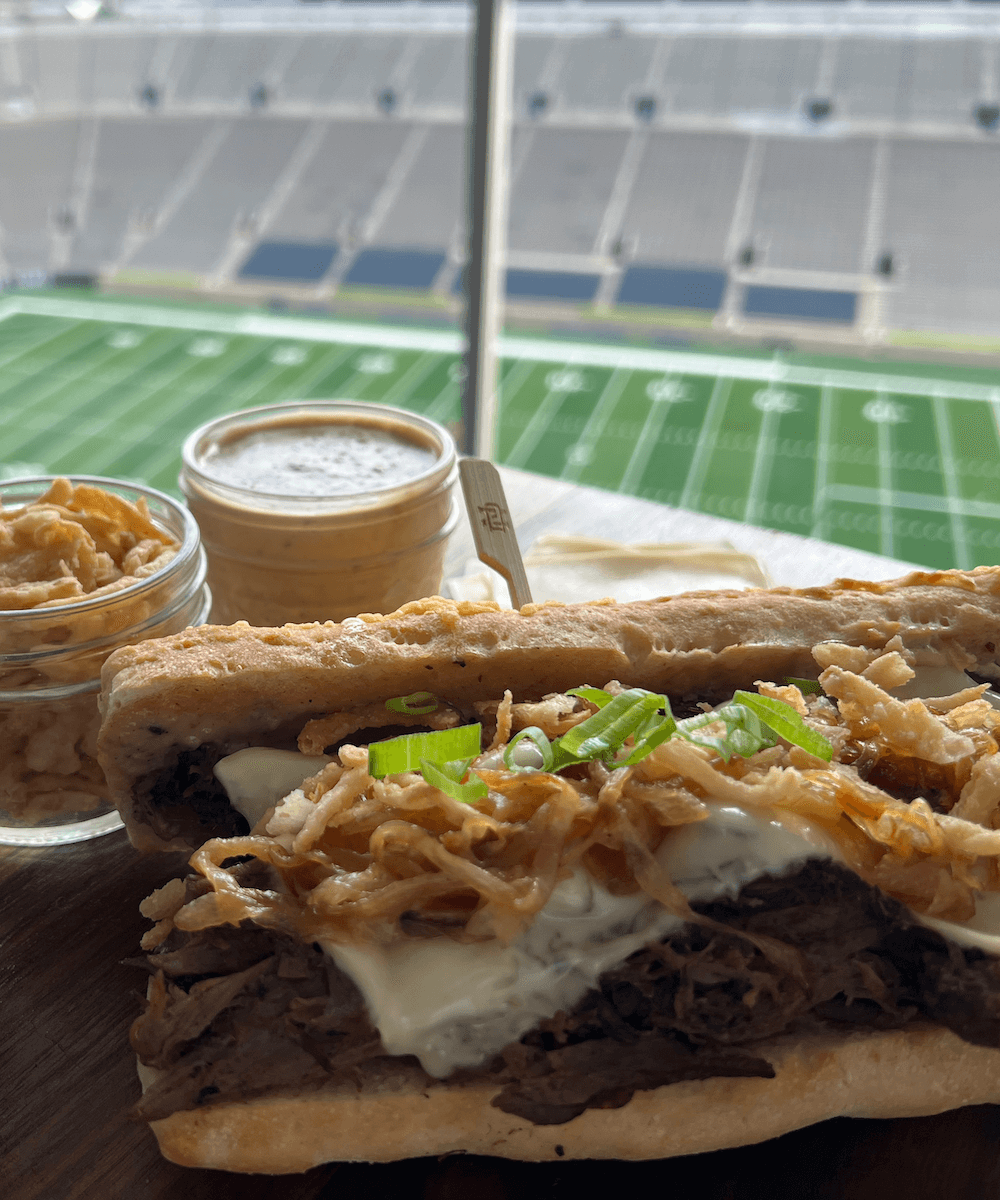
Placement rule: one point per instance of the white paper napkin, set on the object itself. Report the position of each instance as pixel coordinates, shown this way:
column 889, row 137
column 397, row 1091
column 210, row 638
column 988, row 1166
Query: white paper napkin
column 573, row 569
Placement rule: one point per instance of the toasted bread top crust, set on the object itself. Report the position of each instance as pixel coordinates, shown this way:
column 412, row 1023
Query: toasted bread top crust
column 214, row 684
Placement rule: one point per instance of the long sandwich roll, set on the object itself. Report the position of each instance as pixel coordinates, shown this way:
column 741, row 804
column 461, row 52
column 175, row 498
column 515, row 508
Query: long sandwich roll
column 584, row 881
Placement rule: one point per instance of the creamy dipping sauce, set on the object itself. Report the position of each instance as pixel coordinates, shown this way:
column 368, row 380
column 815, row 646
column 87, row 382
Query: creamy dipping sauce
column 318, row 460
column 320, row 510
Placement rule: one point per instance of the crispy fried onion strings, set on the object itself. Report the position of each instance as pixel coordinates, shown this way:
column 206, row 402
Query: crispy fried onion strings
column 350, row 855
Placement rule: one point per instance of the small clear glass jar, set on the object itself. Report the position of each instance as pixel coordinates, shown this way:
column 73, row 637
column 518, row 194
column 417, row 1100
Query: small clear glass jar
column 52, row 789
column 278, row 556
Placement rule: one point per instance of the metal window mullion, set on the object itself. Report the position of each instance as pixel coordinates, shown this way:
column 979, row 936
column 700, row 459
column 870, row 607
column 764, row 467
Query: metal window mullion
column 488, row 162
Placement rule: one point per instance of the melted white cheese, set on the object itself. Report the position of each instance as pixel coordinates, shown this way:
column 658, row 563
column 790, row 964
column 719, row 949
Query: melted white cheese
column 981, row 930
column 255, row 779
column 454, row 1005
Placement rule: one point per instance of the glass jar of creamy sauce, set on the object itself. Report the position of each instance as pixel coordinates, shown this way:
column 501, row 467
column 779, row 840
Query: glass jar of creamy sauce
column 317, row 510
column 86, row 565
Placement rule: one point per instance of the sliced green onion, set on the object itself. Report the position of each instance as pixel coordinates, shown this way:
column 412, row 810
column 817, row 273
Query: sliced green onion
column 541, row 743
column 415, row 704
column 808, row 687
column 745, row 733
column 786, row 723
column 405, row 753
column 650, row 736
column 604, row 734
column 596, row 696
column 447, row 777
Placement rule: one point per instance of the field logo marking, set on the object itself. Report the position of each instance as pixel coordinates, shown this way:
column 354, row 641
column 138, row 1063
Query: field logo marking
column 376, row 364
column 207, row 347
column 289, row 356
column 668, row 390
column 775, row 400
column 566, row 380
column 881, row 411
column 126, row 339
column 457, row 372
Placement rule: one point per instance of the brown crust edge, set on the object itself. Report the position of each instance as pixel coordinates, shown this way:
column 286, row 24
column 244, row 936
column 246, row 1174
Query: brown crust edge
column 901, row 1073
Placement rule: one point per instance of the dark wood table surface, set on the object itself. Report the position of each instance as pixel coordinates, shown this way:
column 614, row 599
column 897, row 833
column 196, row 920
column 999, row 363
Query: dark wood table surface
column 69, row 917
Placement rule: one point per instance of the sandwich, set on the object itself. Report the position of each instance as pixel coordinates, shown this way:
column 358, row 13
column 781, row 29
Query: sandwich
column 622, row 881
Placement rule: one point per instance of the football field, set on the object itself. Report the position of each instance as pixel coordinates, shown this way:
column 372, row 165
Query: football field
column 901, row 460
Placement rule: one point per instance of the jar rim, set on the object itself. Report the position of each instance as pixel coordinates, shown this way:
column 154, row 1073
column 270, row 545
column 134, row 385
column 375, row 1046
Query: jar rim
column 253, row 498
column 190, row 542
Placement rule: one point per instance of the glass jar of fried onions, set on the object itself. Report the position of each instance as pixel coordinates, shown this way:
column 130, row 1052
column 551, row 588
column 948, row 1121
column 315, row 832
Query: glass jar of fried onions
column 86, row 565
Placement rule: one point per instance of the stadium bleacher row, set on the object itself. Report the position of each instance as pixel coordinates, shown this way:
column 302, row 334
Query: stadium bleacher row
column 801, row 178
column 938, row 81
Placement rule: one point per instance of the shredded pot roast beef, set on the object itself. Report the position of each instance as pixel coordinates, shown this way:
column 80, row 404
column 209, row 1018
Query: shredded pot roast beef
column 238, row 1011
column 186, row 800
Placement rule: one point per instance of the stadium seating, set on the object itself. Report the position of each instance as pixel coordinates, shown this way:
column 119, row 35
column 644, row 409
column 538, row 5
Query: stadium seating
column 646, row 169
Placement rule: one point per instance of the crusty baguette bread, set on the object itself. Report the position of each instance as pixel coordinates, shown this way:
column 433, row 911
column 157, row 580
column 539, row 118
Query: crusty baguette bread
column 901, row 1073
column 220, row 684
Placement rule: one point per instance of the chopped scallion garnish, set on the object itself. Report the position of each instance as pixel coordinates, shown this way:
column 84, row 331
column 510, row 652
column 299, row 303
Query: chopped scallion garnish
column 447, row 777
column 416, row 704
column 786, row 723
column 596, row 696
column 541, row 743
column 405, row 753
column 603, row 734
column 752, row 723
column 744, row 735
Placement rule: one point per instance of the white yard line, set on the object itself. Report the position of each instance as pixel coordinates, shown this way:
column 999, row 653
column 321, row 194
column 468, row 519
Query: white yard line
column 851, row 493
column 534, row 350
column 644, row 447
column 414, row 374
column 593, row 430
column 514, row 380
column 705, row 446
column 532, row 433
column 824, row 441
column 885, row 522
column 763, row 462
column 178, row 395
column 323, row 366
column 10, row 359
column 959, row 533
column 58, row 379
